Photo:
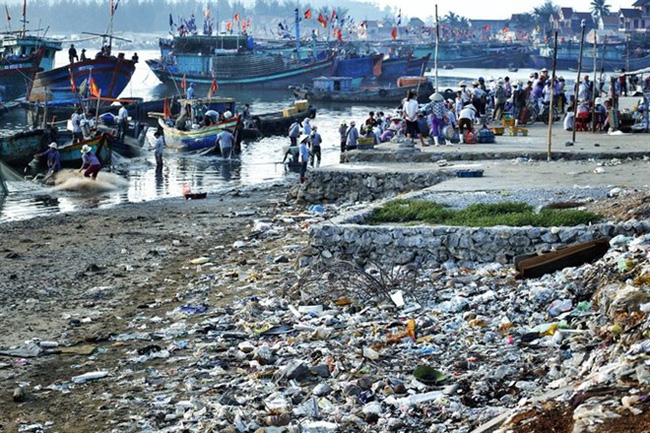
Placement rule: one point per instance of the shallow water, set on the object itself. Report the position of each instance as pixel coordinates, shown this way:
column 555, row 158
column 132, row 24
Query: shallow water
column 259, row 161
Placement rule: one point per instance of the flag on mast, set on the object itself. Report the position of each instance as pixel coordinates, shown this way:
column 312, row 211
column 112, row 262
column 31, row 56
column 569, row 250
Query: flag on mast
column 214, row 88
column 184, row 82
column 7, row 12
column 308, row 14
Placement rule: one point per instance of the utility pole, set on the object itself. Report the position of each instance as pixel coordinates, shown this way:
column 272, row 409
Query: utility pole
column 435, row 57
column 577, row 86
column 551, row 118
column 297, row 13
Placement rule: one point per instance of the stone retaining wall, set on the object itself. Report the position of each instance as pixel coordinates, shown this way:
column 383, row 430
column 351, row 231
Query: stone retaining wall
column 387, row 156
column 402, row 244
column 341, row 185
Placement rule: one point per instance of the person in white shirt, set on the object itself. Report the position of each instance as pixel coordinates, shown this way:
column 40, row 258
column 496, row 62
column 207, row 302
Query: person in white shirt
column 465, row 120
column 122, row 122
column 77, row 132
column 410, row 112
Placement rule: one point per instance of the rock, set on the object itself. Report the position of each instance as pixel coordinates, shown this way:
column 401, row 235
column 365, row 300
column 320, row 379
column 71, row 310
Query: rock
column 19, row 395
column 352, row 390
column 321, row 370
column 322, row 389
column 298, row 370
column 246, row 347
column 281, row 259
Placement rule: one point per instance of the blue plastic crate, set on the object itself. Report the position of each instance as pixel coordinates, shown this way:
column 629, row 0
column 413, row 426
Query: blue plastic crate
column 469, row 173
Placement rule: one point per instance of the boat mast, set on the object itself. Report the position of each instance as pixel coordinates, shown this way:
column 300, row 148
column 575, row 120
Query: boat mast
column 297, row 17
column 24, row 20
column 435, row 58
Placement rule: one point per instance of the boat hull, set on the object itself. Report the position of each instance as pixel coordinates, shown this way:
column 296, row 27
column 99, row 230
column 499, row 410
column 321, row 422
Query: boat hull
column 70, row 154
column 392, row 69
column 279, row 80
column 111, row 75
column 537, row 61
column 199, row 139
column 19, row 149
column 276, row 124
column 379, row 95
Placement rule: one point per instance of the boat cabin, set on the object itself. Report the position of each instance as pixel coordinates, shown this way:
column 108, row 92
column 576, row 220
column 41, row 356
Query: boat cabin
column 334, row 84
column 19, row 46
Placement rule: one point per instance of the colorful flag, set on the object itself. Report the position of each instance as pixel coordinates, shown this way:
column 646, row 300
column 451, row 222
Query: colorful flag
column 94, row 90
column 114, row 5
column 171, row 20
column 244, row 24
column 184, row 82
column 393, row 33
column 229, row 26
column 333, row 15
column 166, row 111
column 73, row 86
column 7, row 11
column 236, row 18
column 339, row 34
column 207, row 11
column 214, row 88
column 399, row 18
column 487, row 28
column 308, row 14
column 322, row 20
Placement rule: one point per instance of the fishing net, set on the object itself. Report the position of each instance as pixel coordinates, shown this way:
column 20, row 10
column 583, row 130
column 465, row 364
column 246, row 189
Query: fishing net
column 11, row 180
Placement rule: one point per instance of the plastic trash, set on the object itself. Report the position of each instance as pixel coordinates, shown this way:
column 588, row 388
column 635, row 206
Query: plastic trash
column 93, row 375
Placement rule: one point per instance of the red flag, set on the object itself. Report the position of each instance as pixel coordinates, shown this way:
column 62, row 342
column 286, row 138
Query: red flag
column 487, row 28
column 229, row 26
column 333, row 15
column 322, row 20
column 7, row 11
column 308, row 14
column 214, row 88
column 183, row 82
column 94, row 90
column 393, row 33
column 73, row 86
column 339, row 35
column 236, row 18
column 207, row 11
column 166, row 111
column 244, row 24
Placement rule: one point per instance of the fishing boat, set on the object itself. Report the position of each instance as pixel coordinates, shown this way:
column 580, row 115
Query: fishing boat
column 364, row 67
column 197, row 139
column 394, row 68
column 70, row 153
column 231, row 62
column 342, row 89
column 18, row 149
column 21, row 57
column 609, row 56
column 110, row 75
column 278, row 123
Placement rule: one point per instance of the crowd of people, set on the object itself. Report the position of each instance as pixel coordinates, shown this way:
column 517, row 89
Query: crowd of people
column 454, row 118
column 305, row 147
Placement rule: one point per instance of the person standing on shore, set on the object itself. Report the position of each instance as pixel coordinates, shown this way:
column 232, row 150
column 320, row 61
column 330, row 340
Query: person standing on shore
column 294, row 132
column 90, row 162
column 303, row 159
column 410, row 113
column 315, row 143
column 343, row 130
column 437, row 116
column 191, row 92
column 351, row 136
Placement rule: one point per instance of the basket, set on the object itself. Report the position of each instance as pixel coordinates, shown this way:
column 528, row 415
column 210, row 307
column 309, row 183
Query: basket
column 498, row 130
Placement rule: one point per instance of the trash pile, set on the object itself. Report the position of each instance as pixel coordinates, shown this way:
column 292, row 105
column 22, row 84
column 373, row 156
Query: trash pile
column 471, row 348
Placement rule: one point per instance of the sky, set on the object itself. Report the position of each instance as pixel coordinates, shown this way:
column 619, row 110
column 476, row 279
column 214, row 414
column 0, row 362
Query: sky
column 486, row 9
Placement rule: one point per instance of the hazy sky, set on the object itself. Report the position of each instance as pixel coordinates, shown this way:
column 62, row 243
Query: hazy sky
column 488, row 9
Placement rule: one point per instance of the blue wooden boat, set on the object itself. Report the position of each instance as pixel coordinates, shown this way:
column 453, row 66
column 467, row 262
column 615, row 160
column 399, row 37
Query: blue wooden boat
column 368, row 67
column 197, row 139
column 111, row 75
column 392, row 69
column 343, row 89
column 21, row 57
column 232, row 62
column 18, row 149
